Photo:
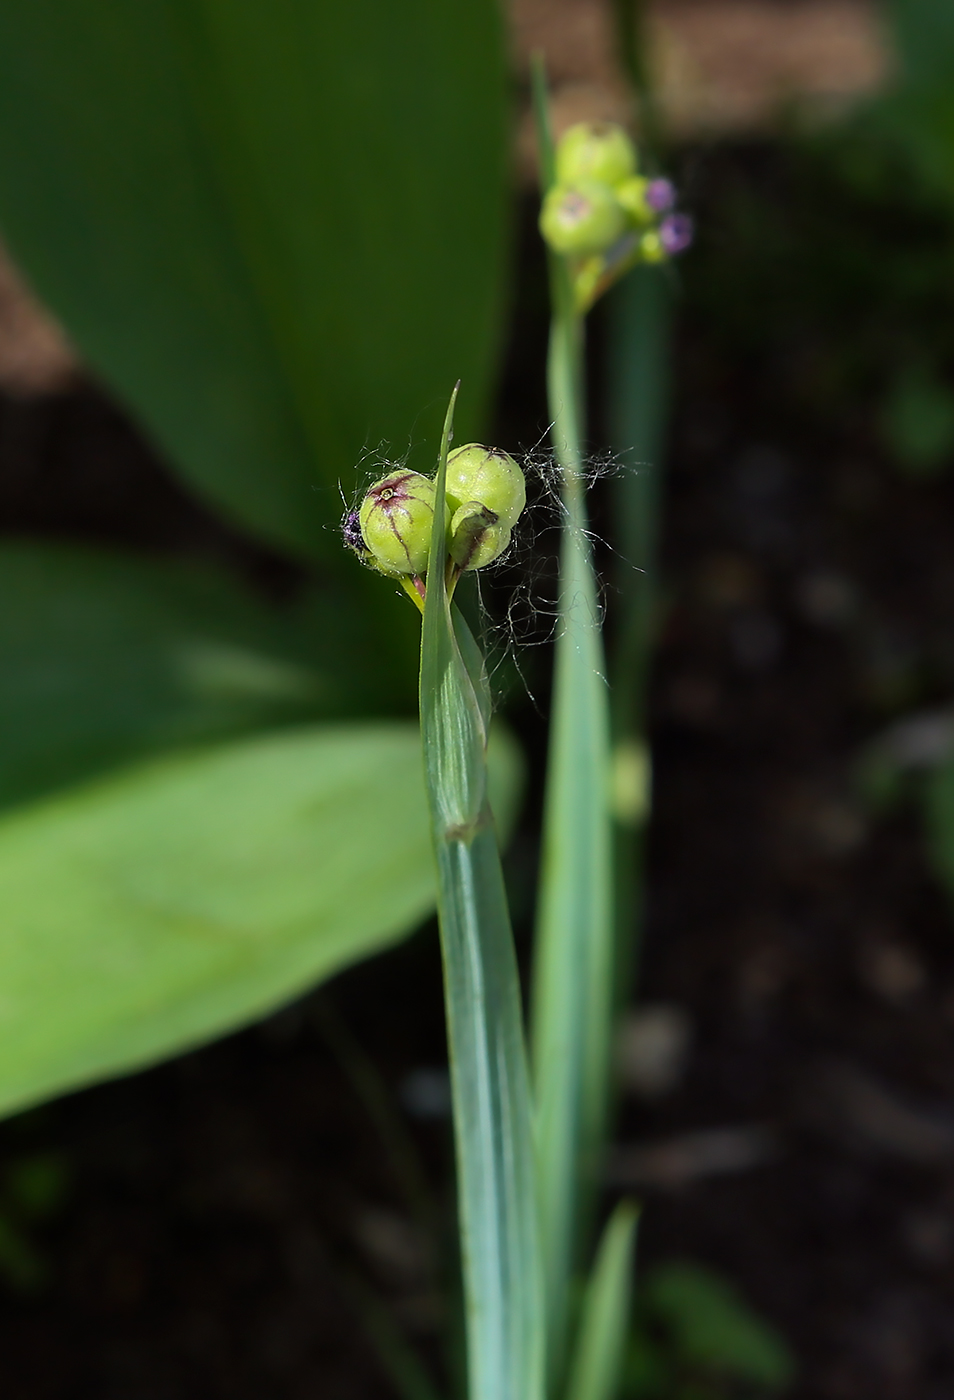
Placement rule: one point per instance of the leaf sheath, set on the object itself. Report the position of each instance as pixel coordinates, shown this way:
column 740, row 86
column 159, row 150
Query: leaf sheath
column 490, row 1082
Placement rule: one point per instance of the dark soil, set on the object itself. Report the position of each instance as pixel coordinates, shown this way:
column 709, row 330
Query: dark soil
column 227, row 1213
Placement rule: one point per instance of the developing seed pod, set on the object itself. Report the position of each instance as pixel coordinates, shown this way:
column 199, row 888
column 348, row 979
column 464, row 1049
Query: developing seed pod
column 594, row 151
column 489, row 476
column 633, row 195
column 396, row 519
column 477, row 536
column 581, row 218
column 651, row 248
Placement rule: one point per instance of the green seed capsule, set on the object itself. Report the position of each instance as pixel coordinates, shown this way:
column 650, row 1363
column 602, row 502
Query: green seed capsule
column 396, row 518
column 581, row 218
column 487, row 475
column 632, row 196
column 477, row 536
column 594, row 151
column 651, row 248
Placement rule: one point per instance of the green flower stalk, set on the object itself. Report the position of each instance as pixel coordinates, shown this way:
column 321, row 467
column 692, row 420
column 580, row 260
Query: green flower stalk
column 628, row 219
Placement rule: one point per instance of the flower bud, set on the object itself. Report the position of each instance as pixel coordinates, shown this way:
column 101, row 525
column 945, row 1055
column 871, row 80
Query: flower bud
column 676, row 233
column 489, row 476
column 594, row 151
column 477, row 536
column 660, row 195
column 581, row 218
column 396, row 519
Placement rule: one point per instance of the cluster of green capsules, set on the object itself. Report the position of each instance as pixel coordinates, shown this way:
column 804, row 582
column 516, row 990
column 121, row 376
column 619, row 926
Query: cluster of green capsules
column 603, row 215
column 485, row 494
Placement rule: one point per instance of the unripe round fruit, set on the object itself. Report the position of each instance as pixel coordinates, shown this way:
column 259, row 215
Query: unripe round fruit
column 396, row 519
column 581, row 218
column 477, row 536
column 651, row 248
column 487, row 475
column 594, row 151
column 632, row 195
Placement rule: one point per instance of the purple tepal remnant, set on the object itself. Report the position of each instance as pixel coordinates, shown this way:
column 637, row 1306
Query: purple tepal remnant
column 675, row 231
column 660, row 195
column 351, row 529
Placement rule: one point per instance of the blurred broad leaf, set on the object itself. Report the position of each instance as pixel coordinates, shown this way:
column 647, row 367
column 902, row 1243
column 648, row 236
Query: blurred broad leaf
column 104, row 658
column 179, row 898
column 275, row 229
column 158, row 908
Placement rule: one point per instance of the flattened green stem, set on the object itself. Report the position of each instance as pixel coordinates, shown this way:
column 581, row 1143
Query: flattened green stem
column 573, row 965
column 490, row 1083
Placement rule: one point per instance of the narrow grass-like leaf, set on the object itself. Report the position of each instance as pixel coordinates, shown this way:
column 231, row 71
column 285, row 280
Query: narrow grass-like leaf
column 597, row 1364
column 492, row 1108
column 572, row 987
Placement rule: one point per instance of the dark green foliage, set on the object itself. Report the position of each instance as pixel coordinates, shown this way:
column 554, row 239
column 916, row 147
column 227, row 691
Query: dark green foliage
column 274, row 230
column 105, row 657
column 696, row 1339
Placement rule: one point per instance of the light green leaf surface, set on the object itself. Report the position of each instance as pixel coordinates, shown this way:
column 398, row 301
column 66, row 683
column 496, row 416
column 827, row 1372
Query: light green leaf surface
column 493, row 1120
column 154, row 910
column 573, row 957
column 105, row 658
column 597, row 1365
column 269, row 227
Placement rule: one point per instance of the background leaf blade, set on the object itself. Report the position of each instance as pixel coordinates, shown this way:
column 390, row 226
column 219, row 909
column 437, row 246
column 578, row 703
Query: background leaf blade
column 267, row 229
column 105, row 658
column 161, row 907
